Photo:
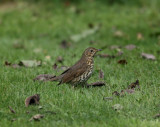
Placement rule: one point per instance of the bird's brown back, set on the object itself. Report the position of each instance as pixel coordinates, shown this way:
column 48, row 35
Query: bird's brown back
column 75, row 71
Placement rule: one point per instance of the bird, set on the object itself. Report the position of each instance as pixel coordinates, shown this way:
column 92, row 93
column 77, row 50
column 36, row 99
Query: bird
column 81, row 71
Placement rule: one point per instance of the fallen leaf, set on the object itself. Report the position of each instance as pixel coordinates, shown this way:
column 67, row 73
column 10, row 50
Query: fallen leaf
column 11, row 65
column 18, row 46
column 140, row 36
column 12, row 111
column 128, row 91
column 134, row 85
column 67, row 3
column 101, row 74
column 15, row 66
column 55, row 66
column 48, row 58
column 120, row 53
column 84, row 34
column 30, row 63
column 40, row 107
column 117, row 107
column 32, row 100
column 7, row 63
column 130, row 47
column 116, row 93
column 115, row 47
column 59, row 59
column 156, row 116
column 92, row 42
column 90, row 25
column 118, row 34
column 44, row 77
column 65, row 44
column 36, row 117
column 123, row 61
column 108, row 98
column 96, row 84
column 148, row 56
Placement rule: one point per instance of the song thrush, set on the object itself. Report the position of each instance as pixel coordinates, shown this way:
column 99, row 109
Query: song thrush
column 81, row 71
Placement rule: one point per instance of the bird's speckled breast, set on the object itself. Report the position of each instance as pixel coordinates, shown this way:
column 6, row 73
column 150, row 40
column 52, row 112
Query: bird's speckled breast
column 87, row 74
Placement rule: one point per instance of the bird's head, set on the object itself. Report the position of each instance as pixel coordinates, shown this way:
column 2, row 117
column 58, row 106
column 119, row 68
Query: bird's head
column 90, row 52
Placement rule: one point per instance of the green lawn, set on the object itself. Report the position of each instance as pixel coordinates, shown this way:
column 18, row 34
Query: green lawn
column 42, row 27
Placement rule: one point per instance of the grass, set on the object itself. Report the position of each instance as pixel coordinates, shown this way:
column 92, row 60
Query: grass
column 44, row 26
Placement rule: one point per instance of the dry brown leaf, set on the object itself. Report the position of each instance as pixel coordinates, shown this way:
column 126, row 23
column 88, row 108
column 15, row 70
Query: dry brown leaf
column 7, row 63
column 48, row 58
column 55, row 66
column 122, row 61
column 92, row 42
column 129, row 90
column 156, row 116
column 117, row 107
column 96, row 84
column 134, row 85
column 12, row 111
column 130, row 47
column 108, row 98
column 18, row 46
column 120, row 53
column 65, row 44
column 118, row 34
column 148, row 56
column 44, row 77
column 32, row 100
column 36, row 117
column 90, row 25
column 60, row 59
column 30, row 63
column 11, row 65
column 116, row 93
column 140, row 36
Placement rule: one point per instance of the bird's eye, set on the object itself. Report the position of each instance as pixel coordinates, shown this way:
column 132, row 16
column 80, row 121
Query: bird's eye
column 91, row 50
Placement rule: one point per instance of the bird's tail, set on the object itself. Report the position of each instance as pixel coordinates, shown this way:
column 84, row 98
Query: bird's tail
column 57, row 78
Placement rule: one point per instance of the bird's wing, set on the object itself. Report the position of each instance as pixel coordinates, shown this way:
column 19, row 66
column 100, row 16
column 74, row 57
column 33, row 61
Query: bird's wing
column 74, row 72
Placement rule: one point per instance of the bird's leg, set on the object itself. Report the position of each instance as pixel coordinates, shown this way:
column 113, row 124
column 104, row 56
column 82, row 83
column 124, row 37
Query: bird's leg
column 84, row 84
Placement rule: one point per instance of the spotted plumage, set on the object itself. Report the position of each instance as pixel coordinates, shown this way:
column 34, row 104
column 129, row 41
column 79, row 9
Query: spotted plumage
column 80, row 72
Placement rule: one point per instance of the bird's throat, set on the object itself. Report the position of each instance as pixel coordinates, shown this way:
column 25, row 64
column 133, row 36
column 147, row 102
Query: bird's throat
column 90, row 61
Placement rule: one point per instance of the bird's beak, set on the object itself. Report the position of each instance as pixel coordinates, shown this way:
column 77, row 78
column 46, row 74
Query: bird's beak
column 99, row 50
